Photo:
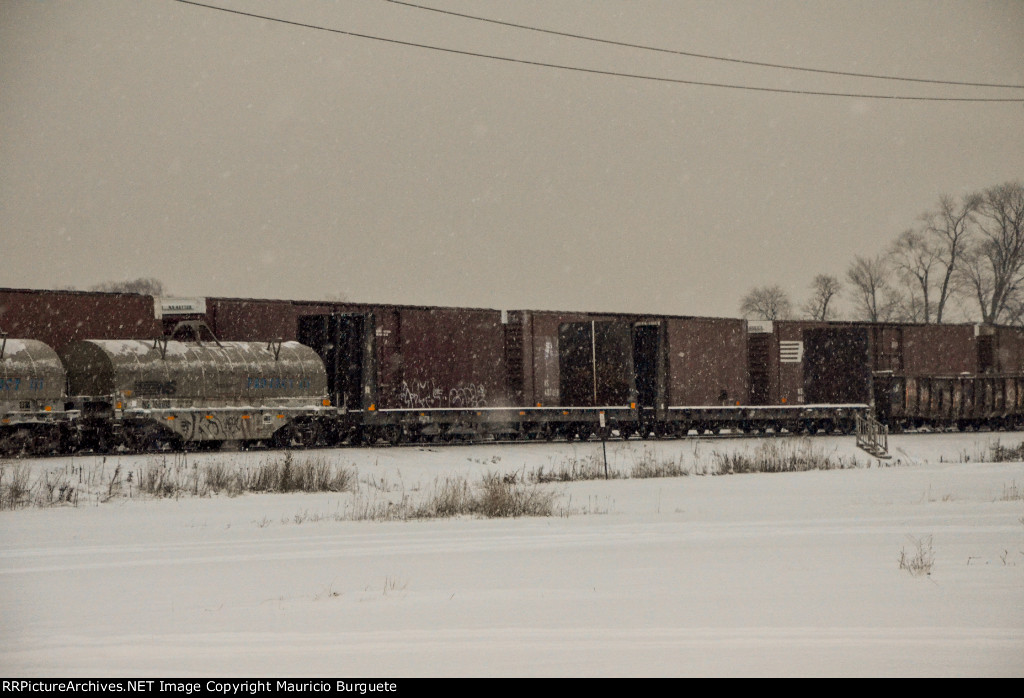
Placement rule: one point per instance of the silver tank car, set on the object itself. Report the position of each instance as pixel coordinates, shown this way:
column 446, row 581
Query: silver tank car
column 163, row 390
column 32, row 394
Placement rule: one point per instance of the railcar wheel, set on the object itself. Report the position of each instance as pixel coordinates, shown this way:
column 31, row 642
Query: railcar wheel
column 393, row 434
column 285, row 437
column 312, row 434
column 16, row 442
column 146, row 438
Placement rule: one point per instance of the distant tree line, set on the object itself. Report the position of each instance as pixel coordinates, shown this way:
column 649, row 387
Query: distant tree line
column 147, row 286
column 963, row 260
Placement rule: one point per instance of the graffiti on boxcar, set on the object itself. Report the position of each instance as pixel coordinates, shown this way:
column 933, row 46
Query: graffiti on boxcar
column 420, row 394
column 468, row 396
column 426, row 394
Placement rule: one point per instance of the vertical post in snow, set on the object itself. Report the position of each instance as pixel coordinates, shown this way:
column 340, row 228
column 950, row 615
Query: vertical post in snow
column 604, row 443
column 593, row 356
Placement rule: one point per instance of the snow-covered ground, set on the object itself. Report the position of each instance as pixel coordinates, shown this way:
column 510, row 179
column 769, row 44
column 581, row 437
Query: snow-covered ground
column 758, row 574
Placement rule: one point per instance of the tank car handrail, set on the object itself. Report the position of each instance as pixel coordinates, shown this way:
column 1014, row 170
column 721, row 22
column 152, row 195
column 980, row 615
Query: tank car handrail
column 195, row 326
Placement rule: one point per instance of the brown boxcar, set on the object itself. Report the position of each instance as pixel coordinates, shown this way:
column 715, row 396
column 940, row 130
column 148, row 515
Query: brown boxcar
column 590, row 359
column 1007, row 350
column 58, row 318
column 707, row 362
column 382, row 358
column 939, row 349
column 812, row 362
column 572, row 359
column 780, row 372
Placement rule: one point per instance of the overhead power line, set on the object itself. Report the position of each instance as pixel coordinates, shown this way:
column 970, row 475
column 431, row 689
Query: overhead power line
column 594, row 71
column 709, row 57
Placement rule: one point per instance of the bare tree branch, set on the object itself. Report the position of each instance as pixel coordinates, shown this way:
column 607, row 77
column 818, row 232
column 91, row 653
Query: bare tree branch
column 766, row 303
column 820, row 306
column 994, row 262
column 949, row 227
column 914, row 257
column 873, row 297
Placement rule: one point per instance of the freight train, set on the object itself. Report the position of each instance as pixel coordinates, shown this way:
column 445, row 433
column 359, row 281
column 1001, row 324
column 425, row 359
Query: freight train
column 103, row 371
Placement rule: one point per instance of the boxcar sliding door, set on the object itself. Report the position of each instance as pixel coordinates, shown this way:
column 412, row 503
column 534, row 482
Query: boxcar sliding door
column 344, row 343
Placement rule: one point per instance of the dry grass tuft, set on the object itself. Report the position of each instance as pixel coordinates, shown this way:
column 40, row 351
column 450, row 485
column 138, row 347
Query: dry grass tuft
column 650, row 466
column 573, row 470
column 997, row 453
column 1012, row 493
column 921, row 559
column 496, row 496
column 51, row 488
column 288, row 474
column 779, row 457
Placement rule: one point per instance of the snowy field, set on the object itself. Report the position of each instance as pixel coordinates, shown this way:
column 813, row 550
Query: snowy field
column 781, row 574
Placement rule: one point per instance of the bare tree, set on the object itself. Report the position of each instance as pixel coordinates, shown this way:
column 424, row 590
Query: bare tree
column 994, row 261
column 820, row 306
column 949, row 228
column 874, row 298
column 146, row 286
column 1014, row 314
column 914, row 257
column 766, row 303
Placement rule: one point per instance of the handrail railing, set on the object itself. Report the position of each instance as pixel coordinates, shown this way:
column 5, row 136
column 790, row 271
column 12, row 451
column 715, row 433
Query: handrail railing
column 872, row 435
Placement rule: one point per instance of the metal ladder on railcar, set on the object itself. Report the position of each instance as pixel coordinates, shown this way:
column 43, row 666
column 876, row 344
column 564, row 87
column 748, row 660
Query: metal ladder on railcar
column 873, row 437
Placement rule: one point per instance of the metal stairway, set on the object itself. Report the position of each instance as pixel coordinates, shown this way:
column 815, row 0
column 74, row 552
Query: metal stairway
column 873, row 437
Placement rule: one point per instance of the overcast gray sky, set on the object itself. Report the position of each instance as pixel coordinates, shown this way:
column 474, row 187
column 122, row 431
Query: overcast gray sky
column 227, row 155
